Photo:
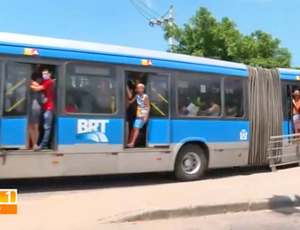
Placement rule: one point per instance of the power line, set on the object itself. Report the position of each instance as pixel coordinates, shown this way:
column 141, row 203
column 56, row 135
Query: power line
column 156, row 20
column 145, row 10
column 145, row 5
column 141, row 11
column 165, row 14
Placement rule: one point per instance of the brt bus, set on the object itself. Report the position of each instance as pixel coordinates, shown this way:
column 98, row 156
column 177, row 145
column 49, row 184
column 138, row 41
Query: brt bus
column 182, row 134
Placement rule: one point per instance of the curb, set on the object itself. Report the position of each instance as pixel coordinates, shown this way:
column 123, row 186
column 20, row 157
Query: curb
column 275, row 202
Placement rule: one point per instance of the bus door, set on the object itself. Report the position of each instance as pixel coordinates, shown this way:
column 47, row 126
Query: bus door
column 288, row 107
column 158, row 90
column 14, row 106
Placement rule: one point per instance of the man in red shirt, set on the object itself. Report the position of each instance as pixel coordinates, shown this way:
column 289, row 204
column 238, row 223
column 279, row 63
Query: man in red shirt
column 47, row 87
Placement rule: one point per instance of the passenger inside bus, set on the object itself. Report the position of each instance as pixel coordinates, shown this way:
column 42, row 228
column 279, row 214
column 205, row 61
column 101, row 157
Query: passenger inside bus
column 71, row 107
column 231, row 109
column 183, row 110
column 193, row 107
column 105, row 97
column 214, row 109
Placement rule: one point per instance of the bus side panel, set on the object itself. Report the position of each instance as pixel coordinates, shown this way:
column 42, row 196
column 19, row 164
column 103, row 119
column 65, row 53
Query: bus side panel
column 14, row 132
column 287, row 128
column 158, row 133
column 228, row 141
column 81, row 164
column 84, row 135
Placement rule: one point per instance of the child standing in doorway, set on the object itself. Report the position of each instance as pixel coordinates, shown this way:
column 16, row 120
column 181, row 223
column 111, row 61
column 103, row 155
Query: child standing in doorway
column 142, row 114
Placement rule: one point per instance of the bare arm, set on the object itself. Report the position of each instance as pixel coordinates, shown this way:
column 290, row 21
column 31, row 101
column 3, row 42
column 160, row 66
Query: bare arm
column 131, row 101
column 129, row 93
column 211, row 109
column 297, row 106
column 37, row 88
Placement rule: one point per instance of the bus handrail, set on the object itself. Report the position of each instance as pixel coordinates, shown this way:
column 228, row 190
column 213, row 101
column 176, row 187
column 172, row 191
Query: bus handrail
column 276, row 148
column 16, row 86
column 16, row 104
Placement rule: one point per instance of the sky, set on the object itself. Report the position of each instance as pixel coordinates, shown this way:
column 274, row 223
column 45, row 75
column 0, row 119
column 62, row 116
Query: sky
column 118, row 22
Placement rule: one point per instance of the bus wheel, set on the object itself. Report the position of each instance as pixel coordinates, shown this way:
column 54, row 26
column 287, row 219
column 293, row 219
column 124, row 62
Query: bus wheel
column 191, row 163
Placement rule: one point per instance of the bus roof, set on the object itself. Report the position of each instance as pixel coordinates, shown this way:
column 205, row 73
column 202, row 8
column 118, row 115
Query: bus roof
column 37, row 41
column 289, row 71
column 92, row 47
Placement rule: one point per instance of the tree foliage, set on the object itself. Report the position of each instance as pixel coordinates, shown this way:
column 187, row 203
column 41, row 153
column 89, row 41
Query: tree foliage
column 205, row 36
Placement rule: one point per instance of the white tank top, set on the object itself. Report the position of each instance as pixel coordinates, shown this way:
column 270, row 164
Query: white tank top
column 141, row 106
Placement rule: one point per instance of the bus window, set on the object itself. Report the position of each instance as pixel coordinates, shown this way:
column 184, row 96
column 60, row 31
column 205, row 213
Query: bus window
column 233, row 90
column 199, row 96
column 15, row 89
column 158, row 91
column 90, row 89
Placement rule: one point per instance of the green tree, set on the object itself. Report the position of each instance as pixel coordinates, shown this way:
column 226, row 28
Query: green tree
column 205, row 36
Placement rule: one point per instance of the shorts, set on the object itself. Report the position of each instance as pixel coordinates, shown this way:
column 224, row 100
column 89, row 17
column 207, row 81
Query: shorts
column 138, row 123
column 296, row 121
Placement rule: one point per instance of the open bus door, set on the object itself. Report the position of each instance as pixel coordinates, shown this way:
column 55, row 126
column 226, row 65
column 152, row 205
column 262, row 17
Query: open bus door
column 14, row 107
column 158, row 134
column 289, row 107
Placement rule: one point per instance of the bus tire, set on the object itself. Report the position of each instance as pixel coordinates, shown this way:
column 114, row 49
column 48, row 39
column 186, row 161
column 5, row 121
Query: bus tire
column 191, row 163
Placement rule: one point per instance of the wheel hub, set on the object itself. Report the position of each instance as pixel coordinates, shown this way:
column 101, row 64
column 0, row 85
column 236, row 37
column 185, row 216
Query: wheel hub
column 191, row 163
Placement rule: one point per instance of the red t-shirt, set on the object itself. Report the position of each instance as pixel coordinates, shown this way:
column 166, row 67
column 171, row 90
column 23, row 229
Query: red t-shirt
column 49, row 94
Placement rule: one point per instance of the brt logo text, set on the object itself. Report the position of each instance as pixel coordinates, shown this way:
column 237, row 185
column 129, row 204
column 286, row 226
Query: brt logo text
column 92, row 130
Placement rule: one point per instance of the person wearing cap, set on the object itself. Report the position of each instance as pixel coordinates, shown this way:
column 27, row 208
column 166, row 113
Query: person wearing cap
column 296, row 110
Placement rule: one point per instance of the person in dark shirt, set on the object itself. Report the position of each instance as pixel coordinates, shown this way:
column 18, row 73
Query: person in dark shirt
column 36, row 103
column 47, row 87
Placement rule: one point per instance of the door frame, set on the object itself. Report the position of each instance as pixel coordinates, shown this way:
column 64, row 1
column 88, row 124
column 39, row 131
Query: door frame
column 287, row 106
column 121, row 75
column 27, row 100
column 2, row 74
column 168, row 76
column 59, row 72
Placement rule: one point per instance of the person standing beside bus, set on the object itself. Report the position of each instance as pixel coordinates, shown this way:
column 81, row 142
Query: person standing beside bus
column 47, row 87
column 296, row 108
column 142, row 113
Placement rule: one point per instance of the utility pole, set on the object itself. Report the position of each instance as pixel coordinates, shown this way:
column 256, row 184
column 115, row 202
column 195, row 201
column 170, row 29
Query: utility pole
column 169, row 20
column 171, row 23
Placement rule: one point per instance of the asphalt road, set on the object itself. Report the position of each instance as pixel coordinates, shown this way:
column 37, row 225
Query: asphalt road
column 284, row 219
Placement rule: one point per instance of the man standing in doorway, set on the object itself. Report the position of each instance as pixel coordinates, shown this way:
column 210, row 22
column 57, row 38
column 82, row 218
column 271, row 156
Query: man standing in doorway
column 47, row 87
column 142, row 113
column 296, row 111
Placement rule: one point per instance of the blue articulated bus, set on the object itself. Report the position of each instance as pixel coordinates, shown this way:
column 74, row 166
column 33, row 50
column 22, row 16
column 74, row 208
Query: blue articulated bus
column 198, row 118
